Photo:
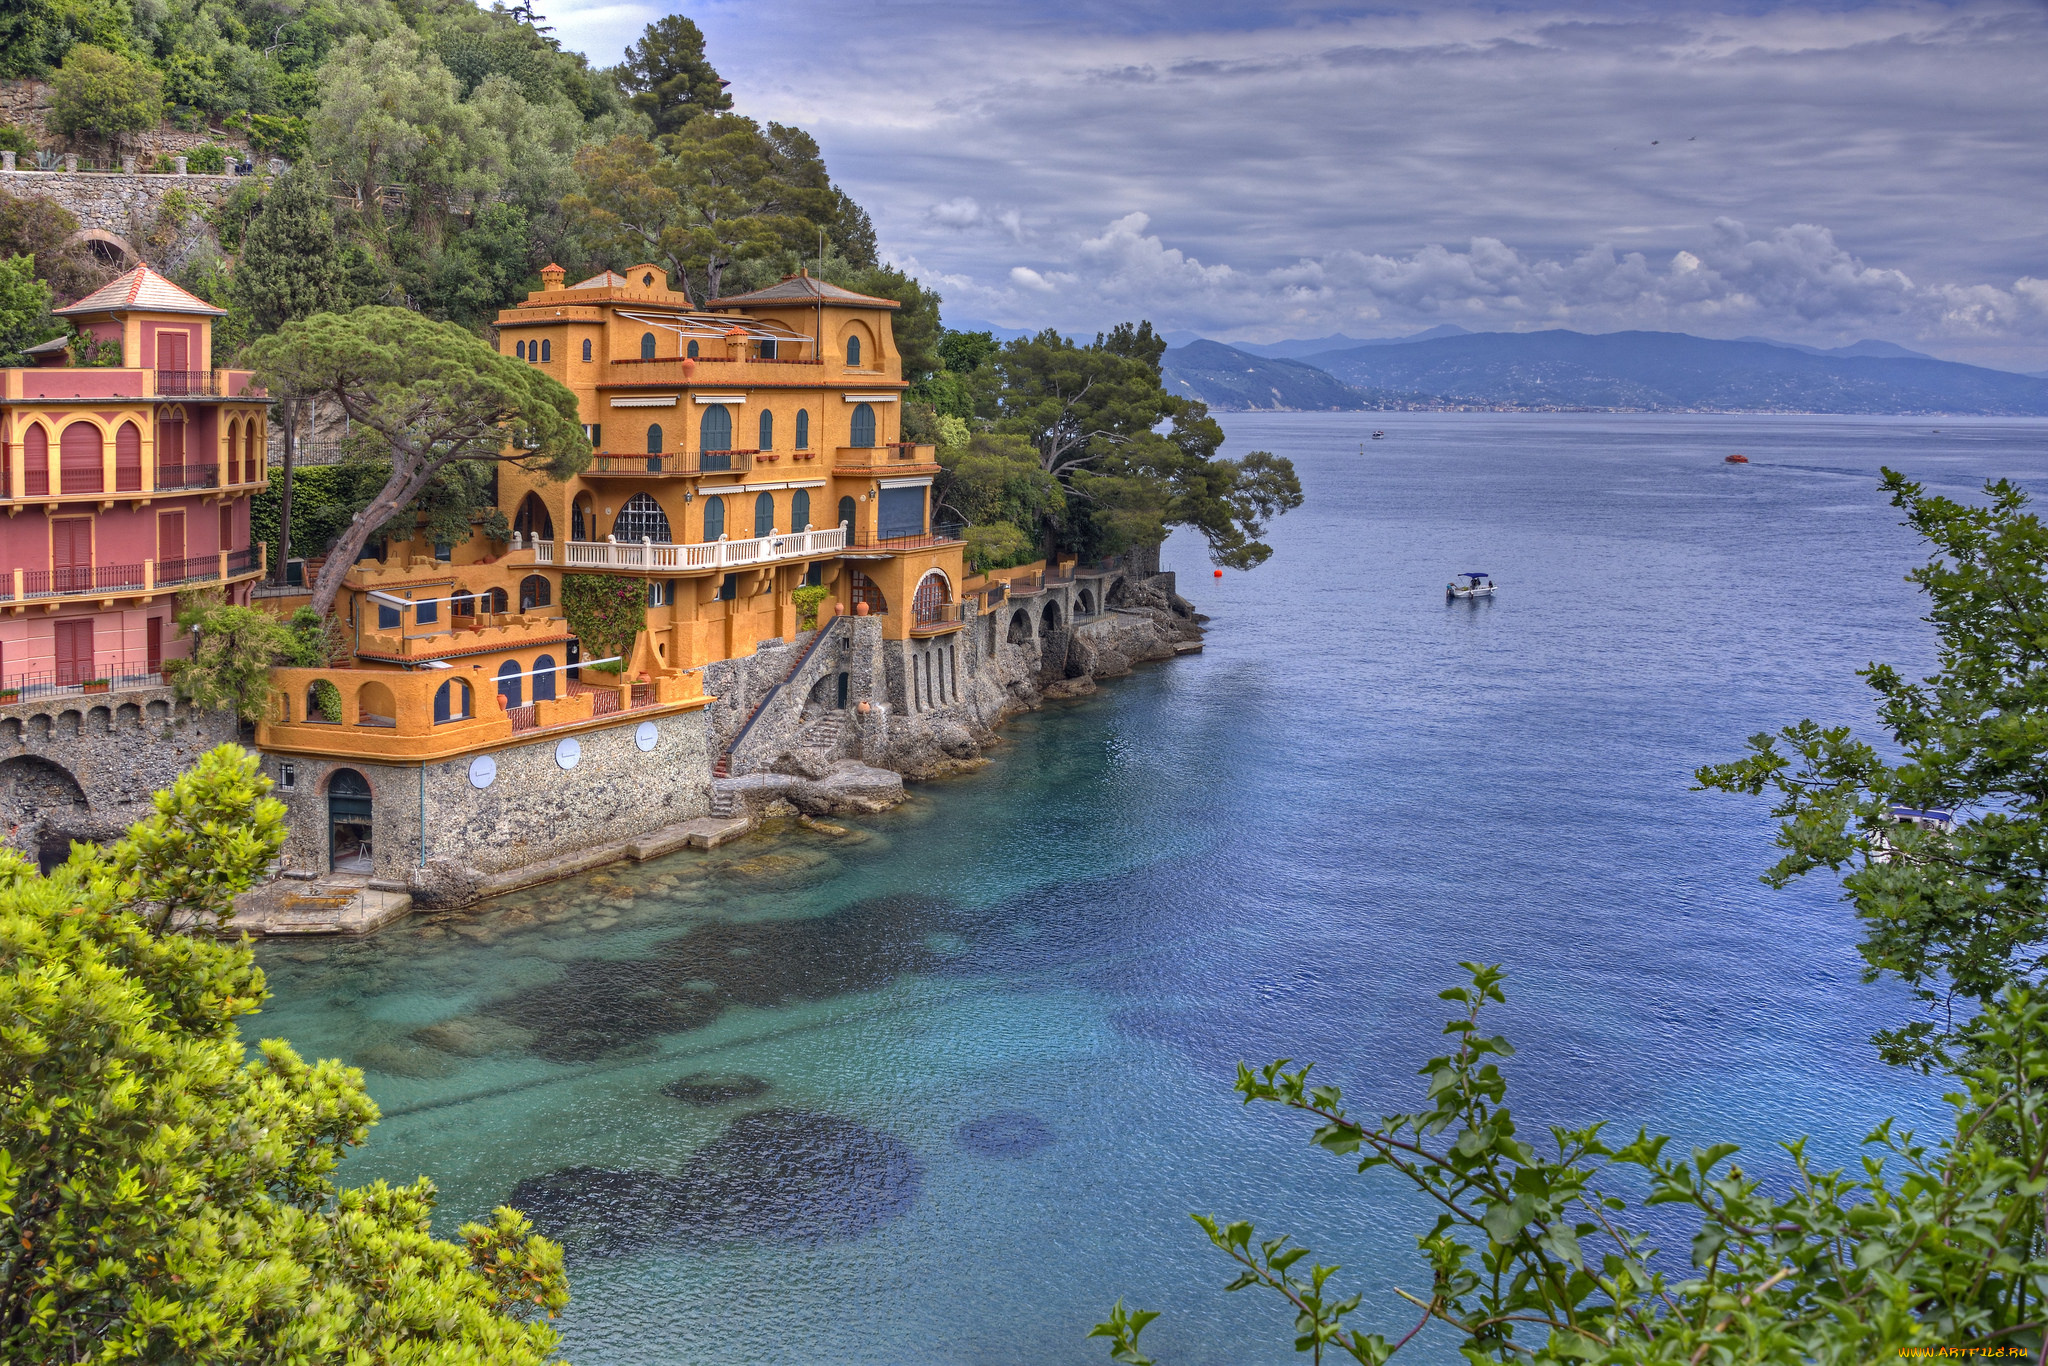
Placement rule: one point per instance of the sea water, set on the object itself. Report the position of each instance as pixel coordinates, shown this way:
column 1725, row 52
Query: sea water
column 942, row 1087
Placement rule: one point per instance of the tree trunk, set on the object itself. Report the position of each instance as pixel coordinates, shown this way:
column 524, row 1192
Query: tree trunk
column 408, row 477
column 288, row 408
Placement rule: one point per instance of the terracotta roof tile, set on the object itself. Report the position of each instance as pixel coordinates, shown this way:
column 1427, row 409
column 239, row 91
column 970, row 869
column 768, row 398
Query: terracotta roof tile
column 141, row 290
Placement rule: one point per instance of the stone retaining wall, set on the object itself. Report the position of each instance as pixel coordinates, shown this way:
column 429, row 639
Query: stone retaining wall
column 115, row 202
column 27, row 103
column 84, row 767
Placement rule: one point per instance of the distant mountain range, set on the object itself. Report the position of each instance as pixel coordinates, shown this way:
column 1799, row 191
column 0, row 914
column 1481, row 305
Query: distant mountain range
column 1634, row 371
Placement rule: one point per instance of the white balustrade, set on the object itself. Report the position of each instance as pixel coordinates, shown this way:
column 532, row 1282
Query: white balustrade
column 720, row 554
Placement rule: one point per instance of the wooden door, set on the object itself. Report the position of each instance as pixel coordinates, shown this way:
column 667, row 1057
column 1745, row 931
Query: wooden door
column 74, row 651
column 170, row 547
column 156, row 645
column 171, row 354
column 71, row 554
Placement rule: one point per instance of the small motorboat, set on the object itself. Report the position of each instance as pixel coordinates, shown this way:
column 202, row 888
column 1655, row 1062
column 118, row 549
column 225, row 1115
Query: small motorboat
column 1379, row 436
column 1883, row 850
column 1735, row 460
column 1473, row 584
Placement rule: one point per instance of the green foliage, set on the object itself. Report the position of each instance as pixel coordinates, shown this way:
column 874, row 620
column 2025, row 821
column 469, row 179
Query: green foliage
column 35, row 35
column 432, row 395
column 164, row 1197
column 233, row 215
column 808, row 599
column 1960, row 914
column 105, row 94
column 24, row 310
column 14, row 138
column 995, row 485
column 291, row 265
column 316, row 642
column 89, row 350
column 1536, row 1254
column 44, row 229
column 229, row 668
column 668, row 77
column 325, row 499
column 605, row 613
column 327, row 698
column 277, row 135
column 211, row 159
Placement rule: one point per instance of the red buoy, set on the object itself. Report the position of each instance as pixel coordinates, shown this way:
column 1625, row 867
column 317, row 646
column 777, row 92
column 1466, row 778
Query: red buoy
column 1219, row 573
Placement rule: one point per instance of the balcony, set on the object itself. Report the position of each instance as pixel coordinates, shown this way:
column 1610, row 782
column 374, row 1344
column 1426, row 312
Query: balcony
column 649, row 557
column 88, row 381
column 680, row 462
column 170, row 477
column 946, row 533
column 36, row 687
column 465, row 635
column 144, row 576
column 937, row 619
column 904, row 455
column 678, row 371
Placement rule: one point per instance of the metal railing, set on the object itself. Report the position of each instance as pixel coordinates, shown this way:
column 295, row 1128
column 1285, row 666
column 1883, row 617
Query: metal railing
column 82, row 578
column 941, row 617
column 187, row 476
column 188, row 569
column 677, row 462
column 874, row 457
column 944, row 534
column 28, row 687
column 198, row 383
column 1024, row 584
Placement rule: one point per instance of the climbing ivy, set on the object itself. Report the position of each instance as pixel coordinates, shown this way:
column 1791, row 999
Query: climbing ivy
column 605, row 613
column 807, row 600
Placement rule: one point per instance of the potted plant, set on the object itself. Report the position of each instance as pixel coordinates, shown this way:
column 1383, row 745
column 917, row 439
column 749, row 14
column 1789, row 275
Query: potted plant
column 95, row 684
column 10, row 694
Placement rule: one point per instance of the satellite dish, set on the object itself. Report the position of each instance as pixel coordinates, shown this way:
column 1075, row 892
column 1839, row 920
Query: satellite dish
column 567, row 753
column 483, row 771
column 646, row 736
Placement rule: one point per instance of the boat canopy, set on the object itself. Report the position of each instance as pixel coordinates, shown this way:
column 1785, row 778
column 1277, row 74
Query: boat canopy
column 1474, row 574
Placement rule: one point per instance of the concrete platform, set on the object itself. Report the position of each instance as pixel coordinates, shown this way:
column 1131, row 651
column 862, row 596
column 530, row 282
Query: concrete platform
column 332, row 905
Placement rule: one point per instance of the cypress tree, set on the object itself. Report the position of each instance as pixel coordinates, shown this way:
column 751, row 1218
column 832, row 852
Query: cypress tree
column 291, row 267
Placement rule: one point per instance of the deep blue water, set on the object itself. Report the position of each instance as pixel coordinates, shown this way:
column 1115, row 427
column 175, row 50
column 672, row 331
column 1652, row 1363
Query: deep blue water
column 951, row 1082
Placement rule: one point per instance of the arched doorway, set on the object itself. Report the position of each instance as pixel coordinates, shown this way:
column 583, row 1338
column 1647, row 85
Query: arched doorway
column 764, row 514
column 533, row 522
column 863, row 425
column 642, row 519
column 349, row 823
column 543, row 678
column 847, row 511
column 934, row 595
column 508, row 683
column 583, row 519
column 534, row 591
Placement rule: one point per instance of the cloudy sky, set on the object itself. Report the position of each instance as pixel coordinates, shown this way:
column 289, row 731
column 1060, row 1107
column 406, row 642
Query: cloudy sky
column 1814, row 172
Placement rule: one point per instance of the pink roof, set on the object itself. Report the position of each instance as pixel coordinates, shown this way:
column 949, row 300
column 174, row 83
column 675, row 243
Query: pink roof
column 141, row 290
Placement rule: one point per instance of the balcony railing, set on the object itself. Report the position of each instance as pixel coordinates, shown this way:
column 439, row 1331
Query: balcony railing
column 678, row 462
column 882, row 457
column 946, row 533
column 936, row 618
column 195, row 383
column 136, row 577
column 721, row 554
column 75, row 681
column 187, row 476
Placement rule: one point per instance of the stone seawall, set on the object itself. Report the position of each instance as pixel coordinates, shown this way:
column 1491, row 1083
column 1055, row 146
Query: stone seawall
column 83, row 766
column 546, row 811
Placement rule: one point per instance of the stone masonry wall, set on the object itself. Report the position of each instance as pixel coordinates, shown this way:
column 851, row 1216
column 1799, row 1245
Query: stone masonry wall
column 533, row 811
column 83, row 767
column 27, row 103
column 115, row 202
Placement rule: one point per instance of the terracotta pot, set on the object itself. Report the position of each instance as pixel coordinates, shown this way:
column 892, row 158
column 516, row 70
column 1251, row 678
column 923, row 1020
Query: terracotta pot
column 860, row 609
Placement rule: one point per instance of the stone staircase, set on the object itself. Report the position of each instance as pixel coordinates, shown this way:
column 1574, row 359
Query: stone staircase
column 722, row 766
column 823, row 735
column 725, row 803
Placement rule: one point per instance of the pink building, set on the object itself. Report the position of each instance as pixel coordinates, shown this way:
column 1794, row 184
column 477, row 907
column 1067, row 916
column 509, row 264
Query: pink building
column 124, row 485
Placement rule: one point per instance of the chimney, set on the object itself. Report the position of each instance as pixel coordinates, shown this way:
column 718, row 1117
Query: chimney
column 551, row 277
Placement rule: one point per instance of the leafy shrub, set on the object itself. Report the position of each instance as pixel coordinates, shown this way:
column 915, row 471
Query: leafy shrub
column 604, row 613
column 105, row 94
column 327, row 697
column 208, row 160
column 808, row 599
column 14, row 138
column 86, row 349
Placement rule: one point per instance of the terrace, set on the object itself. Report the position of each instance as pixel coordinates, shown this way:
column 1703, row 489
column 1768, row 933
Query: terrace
column 75, row 381
column 141, row 577
column 904, row 456
column 675, row 463
column 644, row 556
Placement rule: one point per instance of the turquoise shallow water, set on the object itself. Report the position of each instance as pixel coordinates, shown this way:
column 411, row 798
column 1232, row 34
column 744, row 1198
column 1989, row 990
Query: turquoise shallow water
column 941, row 1088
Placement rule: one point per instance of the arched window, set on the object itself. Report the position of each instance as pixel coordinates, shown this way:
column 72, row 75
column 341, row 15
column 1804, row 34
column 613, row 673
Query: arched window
column 868, row 591
column 586, row 348
column 714, row 518
column 654, row 438
column 520, row 350
column 582, row 520
column 463, row 606
column 646, row 346
column 35, row 457
column 533, row 523
column 547, row 350
column 714, row 429
column 232, row 474
column 847, row 516
column 803, row 429
column 534, row 591
column 800, row 510
column 692, row 352
column 78, row 459
column 642, row 518
column 934, row 594
column 128, row 458
column 493, row 600
column 853, row 349
column 764, row 514
column 863, row 425
column 451, row 702
column 767, row 442
column 508, row 682
column 543, row 677
column 250, row 458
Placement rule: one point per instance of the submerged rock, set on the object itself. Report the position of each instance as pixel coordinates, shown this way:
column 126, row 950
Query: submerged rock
column 1011, row 1133
column 710, row 1088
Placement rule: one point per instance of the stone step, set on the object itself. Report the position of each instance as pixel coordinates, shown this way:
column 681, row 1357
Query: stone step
column 324, row 906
